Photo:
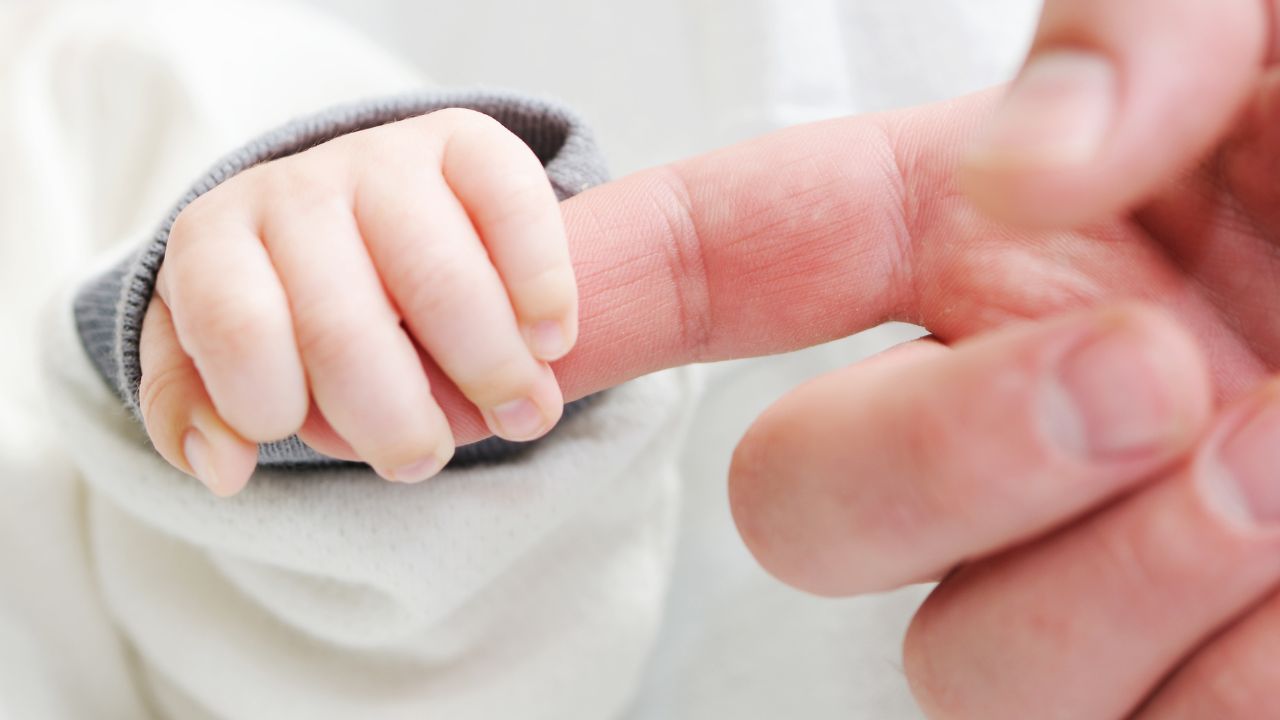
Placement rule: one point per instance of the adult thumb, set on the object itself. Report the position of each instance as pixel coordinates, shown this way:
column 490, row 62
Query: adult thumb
column 1115, row 98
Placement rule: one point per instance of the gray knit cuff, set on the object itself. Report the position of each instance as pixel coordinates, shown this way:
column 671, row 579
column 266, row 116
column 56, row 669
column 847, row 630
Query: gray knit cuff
column 110, row 308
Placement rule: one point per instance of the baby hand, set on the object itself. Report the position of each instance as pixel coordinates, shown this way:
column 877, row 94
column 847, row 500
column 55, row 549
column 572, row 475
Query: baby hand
column 331, row 293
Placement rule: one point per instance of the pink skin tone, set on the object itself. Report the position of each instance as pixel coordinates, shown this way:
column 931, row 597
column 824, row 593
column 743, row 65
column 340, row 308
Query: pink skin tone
column 1109, row 550
column 308, row 294
column 1083, row 451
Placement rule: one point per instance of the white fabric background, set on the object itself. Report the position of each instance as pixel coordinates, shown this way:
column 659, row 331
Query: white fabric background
column 661, row 79
column 658, row 80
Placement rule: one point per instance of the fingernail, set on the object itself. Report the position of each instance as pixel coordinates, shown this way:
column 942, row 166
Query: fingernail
column 548, row 340
column 1111, row 398
column 416, row 472
column 517, row 420
column 1057, row 113
column 199, row 456
column 1245, row 481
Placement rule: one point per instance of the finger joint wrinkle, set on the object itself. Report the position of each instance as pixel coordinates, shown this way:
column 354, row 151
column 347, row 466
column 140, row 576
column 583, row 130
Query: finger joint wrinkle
column 685, row 262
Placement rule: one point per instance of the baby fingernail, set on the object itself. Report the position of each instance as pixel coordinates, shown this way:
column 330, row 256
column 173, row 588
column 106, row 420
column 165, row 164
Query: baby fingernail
column 548, row 340
column 199, row 456
column 1112, row 397
column 1245, row 480
column 419, row 471
column 1057, row 113
column 517, row 420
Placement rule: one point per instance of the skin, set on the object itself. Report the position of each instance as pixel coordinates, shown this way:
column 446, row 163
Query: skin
column 1106, row 530
column 1139, row 582
column 307, row 294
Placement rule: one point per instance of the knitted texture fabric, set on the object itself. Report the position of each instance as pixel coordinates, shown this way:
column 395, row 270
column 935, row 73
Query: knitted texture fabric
column 109, row 310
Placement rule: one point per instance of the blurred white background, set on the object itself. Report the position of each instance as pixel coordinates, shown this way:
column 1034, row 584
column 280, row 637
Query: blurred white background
column 661, row 79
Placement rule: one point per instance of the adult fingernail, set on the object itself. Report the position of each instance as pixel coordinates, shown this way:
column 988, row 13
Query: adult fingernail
column 1112, row 397
column 1057, row 113
column 419, row 471
column 548, row 340
column 517, row 420
column 1245, row 480
column 200, row 458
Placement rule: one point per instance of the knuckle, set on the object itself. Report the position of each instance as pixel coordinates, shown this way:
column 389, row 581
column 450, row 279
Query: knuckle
column 289, row 176
column 684, row 259
column 437, row 283
column 162, row 392
column 521, row 199
column 460, row 117
column 401, row 150
column 200, row 212
column 506, row 155
column 1140, row 554
column 552, row 294
column 399, row 459
column 303, row 203
column 230, row 327
column 328, row 334
column 387, row 150
column 180, row 231
column 413, row 443
column 499, row 382
column 300, row 182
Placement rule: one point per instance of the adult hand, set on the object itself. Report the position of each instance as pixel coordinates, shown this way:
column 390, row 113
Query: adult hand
column 1090, row 569
column 1116, row 96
